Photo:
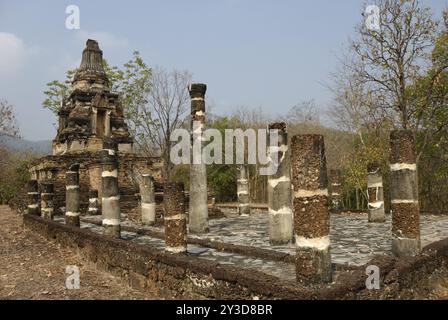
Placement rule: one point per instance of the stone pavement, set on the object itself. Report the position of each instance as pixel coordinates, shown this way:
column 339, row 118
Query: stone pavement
column 354, row 240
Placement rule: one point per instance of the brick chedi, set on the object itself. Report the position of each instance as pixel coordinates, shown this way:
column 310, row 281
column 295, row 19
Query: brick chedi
column 90, row 114
column 91, row 111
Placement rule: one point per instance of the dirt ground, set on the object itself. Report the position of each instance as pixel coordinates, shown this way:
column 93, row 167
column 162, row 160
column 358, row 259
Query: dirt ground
column 34, row 268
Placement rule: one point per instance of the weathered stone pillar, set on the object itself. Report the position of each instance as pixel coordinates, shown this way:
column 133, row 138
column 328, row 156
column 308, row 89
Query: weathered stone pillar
column 46, row 200
column 243, row 191
column 33, row 197
column 72, row 196
column 336, row 189
column 110, row 193
column 198, row 209
column 310, row 207
column 93, row 120
column 404, row 194
column 279, row 190
column 94, row 203
column 375, row 192
column 148, row 202
column 175, row 218
column 107, row 123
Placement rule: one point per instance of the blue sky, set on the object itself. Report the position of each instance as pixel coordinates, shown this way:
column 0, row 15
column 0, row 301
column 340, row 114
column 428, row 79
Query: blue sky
column 265, row 53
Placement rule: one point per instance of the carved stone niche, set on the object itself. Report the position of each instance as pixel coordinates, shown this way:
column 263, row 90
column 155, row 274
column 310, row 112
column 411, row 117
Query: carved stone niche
column 102, row 123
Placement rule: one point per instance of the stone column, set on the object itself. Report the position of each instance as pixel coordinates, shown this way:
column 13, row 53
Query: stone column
column 198, row 209
column 243, row 191
column 46, row 200
column 404, row 194
column 33, row 197
column 375, row 192
column 148, row 202
column 336, row 189
column 94, row 120
column 110, row 202
column 107, row 123
column 310, row 207
column 175, row 218
column 72, row 196
column 94, row 203
column 279, row 190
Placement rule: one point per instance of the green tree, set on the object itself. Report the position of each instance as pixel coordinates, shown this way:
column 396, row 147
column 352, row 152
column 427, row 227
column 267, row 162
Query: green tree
column 222, row 178
column 56, row 90
column 429, row 98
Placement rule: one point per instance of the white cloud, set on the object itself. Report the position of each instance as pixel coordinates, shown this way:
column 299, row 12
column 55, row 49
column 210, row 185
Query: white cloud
column 105, row 39
column 13, row 54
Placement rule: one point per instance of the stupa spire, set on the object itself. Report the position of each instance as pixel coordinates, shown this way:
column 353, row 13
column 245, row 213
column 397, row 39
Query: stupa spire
column 92, row 57
column 91, row 68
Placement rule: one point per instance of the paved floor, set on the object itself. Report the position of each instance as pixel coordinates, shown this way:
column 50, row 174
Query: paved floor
column 353, row 240
column 276, row 268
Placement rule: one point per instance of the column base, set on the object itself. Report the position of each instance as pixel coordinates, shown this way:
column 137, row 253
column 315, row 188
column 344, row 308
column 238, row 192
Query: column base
column 244, row 210
column 72, row 221
column 175, row 233
column 180, row 249
column 148, row 214
column 198, row 218
column 405, row 247
column 112, row 231
column 313, row 265
column 47, row 214
column 198, row 228
column 148, row 222
column 280, row 229
column 93, row 212
column 377, row 216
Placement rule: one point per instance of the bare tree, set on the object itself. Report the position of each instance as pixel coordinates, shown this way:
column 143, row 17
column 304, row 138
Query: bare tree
column 8, row 128
column 354, row 107
column 168, row 100
column 304, row 112
column 8, row 122
column 389, row 60
column 254, row 118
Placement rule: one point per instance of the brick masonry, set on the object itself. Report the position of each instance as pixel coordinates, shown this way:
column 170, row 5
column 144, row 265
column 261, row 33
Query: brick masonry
column 131, row 166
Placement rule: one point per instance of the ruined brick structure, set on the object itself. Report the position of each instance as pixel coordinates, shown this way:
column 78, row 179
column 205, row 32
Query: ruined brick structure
column 89, row 114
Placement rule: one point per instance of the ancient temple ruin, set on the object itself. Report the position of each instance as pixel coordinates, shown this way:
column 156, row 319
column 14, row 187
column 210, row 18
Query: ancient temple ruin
column 90, row 114
column 91, row 111
column 296, row 249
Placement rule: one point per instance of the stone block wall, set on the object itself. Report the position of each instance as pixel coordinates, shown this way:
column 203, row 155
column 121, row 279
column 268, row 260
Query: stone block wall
column 131, row 166
column 187, row 277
